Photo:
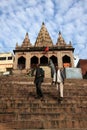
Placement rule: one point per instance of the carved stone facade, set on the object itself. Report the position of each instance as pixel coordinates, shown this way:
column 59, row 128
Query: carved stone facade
column 28, row 55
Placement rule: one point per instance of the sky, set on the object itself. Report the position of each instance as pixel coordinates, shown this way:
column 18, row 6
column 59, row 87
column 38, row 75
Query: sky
column 67, row 16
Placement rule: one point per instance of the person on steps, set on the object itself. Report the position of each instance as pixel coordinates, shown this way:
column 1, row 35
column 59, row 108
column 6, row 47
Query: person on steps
column 39, row 78
column 60, row 76
column 53, row 71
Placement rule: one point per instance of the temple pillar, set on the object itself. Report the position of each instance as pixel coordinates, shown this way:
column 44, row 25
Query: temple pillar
column 27, row 60
column 72, row 60
column 59, row 58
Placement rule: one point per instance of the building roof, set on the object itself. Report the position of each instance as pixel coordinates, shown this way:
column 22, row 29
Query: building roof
column 82, row 62
column 43, row 40
column 6, row 54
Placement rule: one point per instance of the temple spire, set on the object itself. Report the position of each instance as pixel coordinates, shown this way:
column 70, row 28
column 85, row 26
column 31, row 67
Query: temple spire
column 60, row 40
column 43, row 38
column 26, row 41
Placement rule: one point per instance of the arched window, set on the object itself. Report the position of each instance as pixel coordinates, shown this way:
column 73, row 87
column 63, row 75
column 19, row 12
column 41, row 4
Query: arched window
column 43, row 60
column 21, row 63
column 34, row 61
column 66, row 61
column 54, row 59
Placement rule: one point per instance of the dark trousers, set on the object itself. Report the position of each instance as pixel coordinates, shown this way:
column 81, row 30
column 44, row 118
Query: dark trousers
column 38, row 89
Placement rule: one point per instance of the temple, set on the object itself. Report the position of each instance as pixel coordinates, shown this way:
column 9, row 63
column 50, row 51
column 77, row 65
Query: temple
column 28, row 55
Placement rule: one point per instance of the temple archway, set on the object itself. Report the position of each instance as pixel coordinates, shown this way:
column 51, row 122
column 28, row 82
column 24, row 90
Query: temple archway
column 43, row 60
column 66, row 61
column 21, row 63
column 54, row 59
column 34, row 61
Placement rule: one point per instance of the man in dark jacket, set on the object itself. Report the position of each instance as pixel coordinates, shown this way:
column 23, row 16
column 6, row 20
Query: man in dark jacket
column 39, row 77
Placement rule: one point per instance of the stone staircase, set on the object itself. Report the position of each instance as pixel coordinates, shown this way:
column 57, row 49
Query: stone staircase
column 19, row 110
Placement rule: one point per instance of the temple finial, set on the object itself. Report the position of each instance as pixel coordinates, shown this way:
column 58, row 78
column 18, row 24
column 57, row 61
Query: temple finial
column 43, row 23
column 59, row 32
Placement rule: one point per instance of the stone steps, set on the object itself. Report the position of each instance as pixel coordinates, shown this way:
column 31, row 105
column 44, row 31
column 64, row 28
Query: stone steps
column 38, row 107
column 5, row 126
column 31, row 79
column 49, row 101
column 50, row 124
column 46, row 94
column 21, row 111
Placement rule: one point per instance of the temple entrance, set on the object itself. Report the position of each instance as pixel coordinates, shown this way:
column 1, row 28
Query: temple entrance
column 21, row 63
column 66, row 61
column 43, row 60
column 34, row 61
column 54, row 59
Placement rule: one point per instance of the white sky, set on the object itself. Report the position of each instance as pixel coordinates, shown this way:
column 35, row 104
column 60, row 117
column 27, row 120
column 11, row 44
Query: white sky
column 20, row 16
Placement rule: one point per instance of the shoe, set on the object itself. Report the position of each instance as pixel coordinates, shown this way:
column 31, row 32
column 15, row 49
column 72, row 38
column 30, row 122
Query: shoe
column 60, row 99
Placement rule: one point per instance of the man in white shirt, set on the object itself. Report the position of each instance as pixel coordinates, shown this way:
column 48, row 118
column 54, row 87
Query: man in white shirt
column 60, row 82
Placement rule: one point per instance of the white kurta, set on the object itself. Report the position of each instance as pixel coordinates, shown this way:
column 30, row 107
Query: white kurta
column 59, row 83
column 59, row 78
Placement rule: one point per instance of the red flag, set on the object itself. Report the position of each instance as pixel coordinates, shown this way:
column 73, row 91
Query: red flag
column 46, row 49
